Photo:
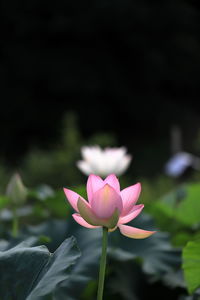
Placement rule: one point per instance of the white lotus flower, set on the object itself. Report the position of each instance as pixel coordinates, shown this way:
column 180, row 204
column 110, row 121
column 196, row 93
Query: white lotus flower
column 103, row 162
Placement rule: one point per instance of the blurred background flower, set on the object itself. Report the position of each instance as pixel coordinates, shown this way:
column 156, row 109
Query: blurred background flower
column 180, row 162
column 103, row 162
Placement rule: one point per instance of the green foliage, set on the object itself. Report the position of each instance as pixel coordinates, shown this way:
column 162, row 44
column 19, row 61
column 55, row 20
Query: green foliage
column 179, row 212
column 57, row 205
column 189, row 209
column 33, row 272
column 4, row 200
column 176, row 216
column 157, row 254
column 191, row 265
column 155, row 188
column 154, row 257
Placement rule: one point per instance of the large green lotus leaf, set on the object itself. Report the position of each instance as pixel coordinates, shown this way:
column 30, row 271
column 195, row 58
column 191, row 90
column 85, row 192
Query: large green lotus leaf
column 52, row 233
column 191, row 265
column 33, row 272
column 8, row 244
column 156, row 252
column 87, row 266
column 56, row 231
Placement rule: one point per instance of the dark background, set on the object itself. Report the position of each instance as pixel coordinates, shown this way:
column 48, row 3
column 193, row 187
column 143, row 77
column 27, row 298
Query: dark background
column 130, row 68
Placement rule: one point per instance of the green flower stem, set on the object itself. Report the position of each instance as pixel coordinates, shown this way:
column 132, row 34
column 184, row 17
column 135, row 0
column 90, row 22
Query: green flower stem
column 102, row 264
column 15, row 224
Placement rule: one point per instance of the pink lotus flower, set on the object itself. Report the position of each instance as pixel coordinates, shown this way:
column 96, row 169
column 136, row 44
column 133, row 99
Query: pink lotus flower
column 107, row 206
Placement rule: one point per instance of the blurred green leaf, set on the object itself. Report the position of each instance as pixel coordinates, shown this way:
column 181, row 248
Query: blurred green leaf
column 24, row 211
column 178, row 212
column 81, row 190
column 58, row 205
column 4, row 201
column 188, row 210
column 126, row 280
column 158, row 255
column 191, row 265
column 43, row 192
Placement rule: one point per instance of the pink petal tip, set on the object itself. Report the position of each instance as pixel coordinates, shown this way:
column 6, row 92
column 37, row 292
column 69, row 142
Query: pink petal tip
column 134, row 233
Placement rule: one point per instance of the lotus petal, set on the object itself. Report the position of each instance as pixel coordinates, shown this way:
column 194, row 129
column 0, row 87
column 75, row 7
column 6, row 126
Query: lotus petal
column 134, row 233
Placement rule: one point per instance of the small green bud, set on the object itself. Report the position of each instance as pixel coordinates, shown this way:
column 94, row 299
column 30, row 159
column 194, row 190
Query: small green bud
column 16, row 190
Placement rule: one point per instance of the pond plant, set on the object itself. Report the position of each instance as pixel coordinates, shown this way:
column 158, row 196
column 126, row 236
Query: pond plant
column 109, row 208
